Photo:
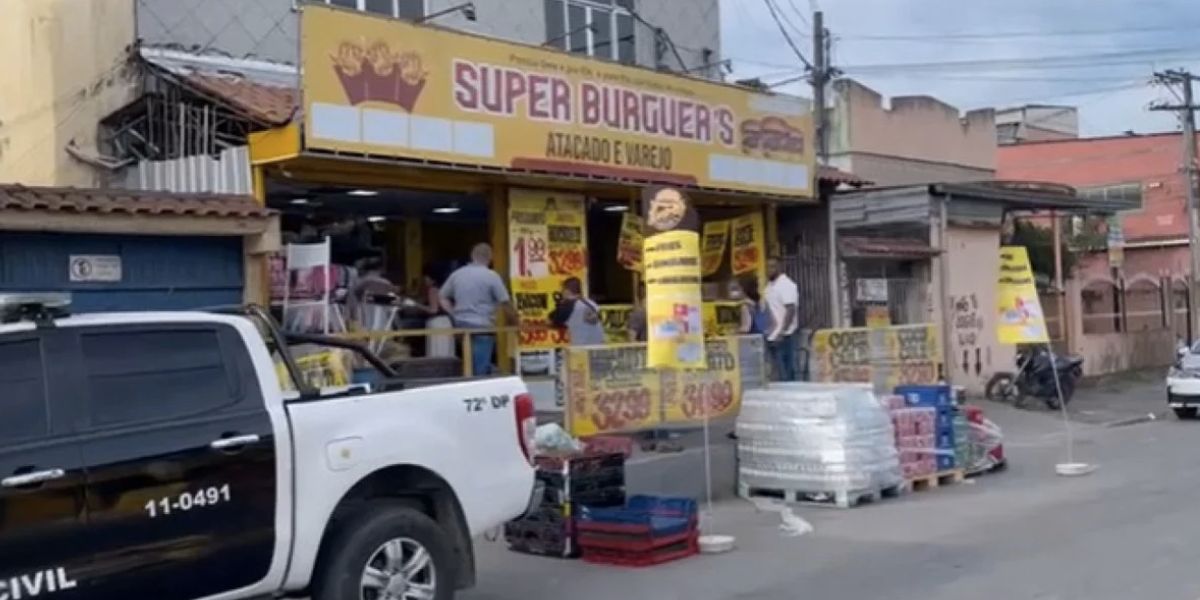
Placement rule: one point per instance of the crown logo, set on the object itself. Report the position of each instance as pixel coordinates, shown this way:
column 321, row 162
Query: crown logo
column 378, row 73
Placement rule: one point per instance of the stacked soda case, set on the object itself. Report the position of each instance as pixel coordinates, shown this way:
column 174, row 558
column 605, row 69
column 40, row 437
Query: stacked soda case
column 648, row 530
column 940, row 399
column 916, row 438
column 594, row 479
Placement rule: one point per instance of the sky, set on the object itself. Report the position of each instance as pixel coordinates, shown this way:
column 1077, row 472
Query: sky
column 1098, row 55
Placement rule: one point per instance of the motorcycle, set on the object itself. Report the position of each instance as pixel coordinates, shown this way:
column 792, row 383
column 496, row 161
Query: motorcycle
column 1035, row 378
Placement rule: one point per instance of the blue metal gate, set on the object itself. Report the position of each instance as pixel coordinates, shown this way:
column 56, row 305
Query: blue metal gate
column 156, row 272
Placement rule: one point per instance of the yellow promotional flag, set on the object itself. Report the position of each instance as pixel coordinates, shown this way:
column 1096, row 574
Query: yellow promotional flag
column 716, row 235
column 671, row 258
column 1021, row 320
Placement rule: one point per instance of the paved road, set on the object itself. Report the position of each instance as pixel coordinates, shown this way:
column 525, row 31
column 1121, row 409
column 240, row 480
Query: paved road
column 1128, row 530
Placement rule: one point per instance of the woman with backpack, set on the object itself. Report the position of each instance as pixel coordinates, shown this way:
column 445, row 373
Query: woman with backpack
column 754, row 319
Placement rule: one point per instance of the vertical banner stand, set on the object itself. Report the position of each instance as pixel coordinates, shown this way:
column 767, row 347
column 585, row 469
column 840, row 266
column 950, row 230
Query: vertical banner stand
column 1069, row 468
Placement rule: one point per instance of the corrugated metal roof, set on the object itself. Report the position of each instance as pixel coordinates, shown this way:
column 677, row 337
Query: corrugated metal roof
column 884, row 247
column 836, row 175
column 94, row 201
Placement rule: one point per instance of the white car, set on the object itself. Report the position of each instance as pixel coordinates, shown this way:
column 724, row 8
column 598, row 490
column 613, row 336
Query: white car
column 1183, row 382
column 156, row 455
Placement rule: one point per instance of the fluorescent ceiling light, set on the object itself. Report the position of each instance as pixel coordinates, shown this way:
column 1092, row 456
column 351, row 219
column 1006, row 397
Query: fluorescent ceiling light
column 616, row 208
column 446, row 210
column 362, row 193
column 377, row 218
column 299, row 201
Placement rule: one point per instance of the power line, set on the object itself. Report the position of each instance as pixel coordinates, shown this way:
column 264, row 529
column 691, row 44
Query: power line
column 1024, row 34
column 786, row 36
column 799, row 14
column 1069, row 61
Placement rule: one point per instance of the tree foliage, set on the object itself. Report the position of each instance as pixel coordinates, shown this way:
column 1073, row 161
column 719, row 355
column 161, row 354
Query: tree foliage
column 1039, row 242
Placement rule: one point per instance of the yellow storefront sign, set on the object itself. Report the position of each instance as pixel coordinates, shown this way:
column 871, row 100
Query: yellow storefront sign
column 629, row 243
column 547, row 244
column 1021, row 320
column 384, row 87
column 610, row 389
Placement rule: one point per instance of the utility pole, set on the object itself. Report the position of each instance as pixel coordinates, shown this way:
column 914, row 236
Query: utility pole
column 820, row 76
column 1187, row 116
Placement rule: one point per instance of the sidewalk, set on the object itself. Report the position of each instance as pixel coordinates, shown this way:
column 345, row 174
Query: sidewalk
column 1114, row 400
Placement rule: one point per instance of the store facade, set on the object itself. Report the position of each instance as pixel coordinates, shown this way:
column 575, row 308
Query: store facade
column 432, row 140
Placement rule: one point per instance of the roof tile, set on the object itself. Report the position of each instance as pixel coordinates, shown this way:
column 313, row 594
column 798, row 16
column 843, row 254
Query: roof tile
column 76, row 200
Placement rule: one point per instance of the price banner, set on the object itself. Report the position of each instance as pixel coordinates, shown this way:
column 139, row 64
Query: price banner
column 629, row 244
column 746, row 251
column 715, row 236
column 717, row 389
column 611, row 390
column 547, row 244
column 722, row 318
column 320, row 370
column 615, row 318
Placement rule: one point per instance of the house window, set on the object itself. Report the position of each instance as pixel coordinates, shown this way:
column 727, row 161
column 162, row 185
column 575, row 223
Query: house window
column 1124, row 192
column 596, row 28
column 403, row 9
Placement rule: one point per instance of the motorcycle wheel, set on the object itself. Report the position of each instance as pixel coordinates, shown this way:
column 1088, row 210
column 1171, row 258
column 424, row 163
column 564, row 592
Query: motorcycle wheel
column 1068, row 391
column 1003, row 388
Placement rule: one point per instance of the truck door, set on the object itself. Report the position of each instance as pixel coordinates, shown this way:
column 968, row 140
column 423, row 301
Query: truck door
column 180, row 461
column 41, row 478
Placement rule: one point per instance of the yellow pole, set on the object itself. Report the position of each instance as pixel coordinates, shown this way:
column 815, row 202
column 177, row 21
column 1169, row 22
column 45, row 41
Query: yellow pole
column 498, row 238
column 260, row 261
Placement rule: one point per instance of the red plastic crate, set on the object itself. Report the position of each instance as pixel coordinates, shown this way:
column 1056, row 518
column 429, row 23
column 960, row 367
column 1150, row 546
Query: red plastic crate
column 658, row 556
column 638, row 543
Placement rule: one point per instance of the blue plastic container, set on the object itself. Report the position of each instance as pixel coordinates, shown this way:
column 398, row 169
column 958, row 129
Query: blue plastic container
column 945, row 463
column 653, row 514
column 937, row 396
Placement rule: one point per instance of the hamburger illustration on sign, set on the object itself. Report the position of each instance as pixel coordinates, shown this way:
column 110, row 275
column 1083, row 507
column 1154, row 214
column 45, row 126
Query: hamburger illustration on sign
column 377, row 73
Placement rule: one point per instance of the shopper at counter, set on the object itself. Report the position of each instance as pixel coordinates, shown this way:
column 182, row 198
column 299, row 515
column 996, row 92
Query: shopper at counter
column 472, row 294
column 782, row 298
column 438, row 318
column 579, row 314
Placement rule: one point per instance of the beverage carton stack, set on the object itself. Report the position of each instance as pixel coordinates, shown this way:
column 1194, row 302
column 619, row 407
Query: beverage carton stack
column 648, row 530
column 916, row 436
column 938, row 400
column 817, row 443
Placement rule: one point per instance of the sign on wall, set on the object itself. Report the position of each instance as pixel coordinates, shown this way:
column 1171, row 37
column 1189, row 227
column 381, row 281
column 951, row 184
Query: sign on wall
column 387, row 87
column 94, row 268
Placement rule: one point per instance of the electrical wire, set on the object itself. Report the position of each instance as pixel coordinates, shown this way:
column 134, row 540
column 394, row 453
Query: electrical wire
column 1069, row 61
column 800, row 15
column 1024, row 34
column 786, row 37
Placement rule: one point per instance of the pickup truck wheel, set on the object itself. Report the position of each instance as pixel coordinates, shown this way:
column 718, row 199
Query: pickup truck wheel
column 388, row 553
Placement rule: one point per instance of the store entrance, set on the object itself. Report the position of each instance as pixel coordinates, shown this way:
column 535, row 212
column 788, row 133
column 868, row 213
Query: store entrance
column 389, row 250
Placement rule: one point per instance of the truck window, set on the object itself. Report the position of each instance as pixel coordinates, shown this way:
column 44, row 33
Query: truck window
column 151, row 375
column 22, row 379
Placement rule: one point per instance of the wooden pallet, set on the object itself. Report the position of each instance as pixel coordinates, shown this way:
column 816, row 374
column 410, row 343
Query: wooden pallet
column 837, row 498
column 930, row 482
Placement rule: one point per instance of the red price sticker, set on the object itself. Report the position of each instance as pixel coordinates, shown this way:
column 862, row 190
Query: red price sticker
column 617, row 410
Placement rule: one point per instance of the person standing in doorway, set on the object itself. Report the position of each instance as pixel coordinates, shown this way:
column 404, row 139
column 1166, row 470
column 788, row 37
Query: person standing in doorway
column 753, row 317
column 782, row 297
column 472, row 295
column 579, row 314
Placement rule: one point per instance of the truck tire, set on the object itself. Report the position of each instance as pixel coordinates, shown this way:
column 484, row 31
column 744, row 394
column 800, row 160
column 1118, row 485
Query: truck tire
column 386, row 552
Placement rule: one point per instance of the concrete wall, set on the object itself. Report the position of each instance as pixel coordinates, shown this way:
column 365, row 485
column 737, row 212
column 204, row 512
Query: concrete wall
column 65, row 67
column 973, row 259
column 267, row 29
column 1105, row 353
column 911, row 139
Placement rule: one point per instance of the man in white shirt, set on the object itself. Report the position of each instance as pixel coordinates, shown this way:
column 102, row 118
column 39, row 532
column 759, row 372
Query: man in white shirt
column 781, row 298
